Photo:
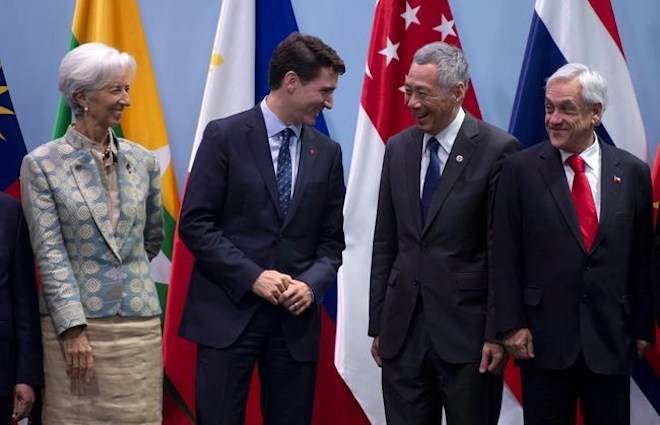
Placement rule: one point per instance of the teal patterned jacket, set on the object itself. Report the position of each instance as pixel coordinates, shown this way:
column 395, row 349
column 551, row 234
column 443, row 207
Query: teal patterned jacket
column 86, row 269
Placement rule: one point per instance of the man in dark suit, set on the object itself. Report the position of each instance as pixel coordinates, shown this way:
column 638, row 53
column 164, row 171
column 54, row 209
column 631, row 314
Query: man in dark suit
column 429, row 274
column 20, row 335
column 572, row 249
column 263, row 218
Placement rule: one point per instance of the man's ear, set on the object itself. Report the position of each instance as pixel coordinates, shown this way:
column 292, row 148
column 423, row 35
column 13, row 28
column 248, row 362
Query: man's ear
column 597, row 113
column 291, row 80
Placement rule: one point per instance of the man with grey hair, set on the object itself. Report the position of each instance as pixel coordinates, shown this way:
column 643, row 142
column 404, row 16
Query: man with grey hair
column 429, row 298
column 571, row 260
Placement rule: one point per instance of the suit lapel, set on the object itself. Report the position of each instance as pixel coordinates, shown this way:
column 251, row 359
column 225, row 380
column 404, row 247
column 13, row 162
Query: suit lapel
column 457, row 160
column 412, row 165
column 610, row 189
column 126, row 177
column 256, row 138
column 552, row 170
column 87, row 178
column 307, row 156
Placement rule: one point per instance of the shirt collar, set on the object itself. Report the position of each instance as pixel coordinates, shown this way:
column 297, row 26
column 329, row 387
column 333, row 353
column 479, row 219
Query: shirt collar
column 274, row 125
column 590, row 155
column 447, row 136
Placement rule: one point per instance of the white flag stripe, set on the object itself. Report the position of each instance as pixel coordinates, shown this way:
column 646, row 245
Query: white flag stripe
column 230, row 82
column 352, row 356
column 577, row 20
column 641, row 410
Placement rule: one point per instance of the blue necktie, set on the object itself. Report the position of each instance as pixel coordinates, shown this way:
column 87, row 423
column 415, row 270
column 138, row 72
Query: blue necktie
column 284, row 171
column 432, row 179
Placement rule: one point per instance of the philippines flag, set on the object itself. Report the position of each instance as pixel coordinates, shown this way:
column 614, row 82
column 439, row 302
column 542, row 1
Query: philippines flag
column 12, row 147
column 247, row 33
column 585, row 31
column 399, row 29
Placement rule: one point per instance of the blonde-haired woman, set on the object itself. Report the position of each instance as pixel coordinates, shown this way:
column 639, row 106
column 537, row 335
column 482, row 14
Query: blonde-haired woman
column 93, row 207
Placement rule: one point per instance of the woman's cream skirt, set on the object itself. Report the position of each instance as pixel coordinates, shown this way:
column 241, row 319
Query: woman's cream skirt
column 128, row 379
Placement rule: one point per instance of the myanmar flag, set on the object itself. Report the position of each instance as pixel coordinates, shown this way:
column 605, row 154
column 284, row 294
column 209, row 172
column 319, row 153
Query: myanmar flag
column 118, row 24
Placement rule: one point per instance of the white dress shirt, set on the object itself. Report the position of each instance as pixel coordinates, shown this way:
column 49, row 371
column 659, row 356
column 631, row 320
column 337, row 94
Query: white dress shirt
column 592, row 159
column 446, row 140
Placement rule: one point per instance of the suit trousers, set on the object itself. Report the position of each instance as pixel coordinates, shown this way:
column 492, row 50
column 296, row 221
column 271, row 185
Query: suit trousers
column 224, row 374
column 6, row 409
column 550, row 396
column 417, row 384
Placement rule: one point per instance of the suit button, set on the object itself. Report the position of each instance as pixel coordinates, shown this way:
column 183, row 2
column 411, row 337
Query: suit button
column 584, row 298
column 416, row 283
column 587, row 267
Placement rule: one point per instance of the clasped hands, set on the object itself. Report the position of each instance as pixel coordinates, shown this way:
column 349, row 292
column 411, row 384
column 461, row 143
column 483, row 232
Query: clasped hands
column 281, row 289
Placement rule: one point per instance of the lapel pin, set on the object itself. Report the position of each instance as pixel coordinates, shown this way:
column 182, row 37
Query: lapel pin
column 459, row 158
column 129, row 168
column 312, row 151
column 617, row 179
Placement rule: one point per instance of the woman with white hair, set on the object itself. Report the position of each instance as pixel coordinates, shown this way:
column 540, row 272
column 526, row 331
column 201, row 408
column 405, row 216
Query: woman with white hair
column 93, row 206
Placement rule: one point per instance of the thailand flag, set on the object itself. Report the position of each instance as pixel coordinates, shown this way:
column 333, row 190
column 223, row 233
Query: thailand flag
column 247, row 33
column 585, row 31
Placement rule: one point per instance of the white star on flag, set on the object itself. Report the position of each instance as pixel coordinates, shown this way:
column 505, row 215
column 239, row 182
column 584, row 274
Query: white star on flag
column 446, row 28
column 390, row 51
column 410, row 15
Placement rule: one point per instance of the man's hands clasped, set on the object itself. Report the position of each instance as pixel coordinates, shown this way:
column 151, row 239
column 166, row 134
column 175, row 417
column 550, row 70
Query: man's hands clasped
column 281, row 289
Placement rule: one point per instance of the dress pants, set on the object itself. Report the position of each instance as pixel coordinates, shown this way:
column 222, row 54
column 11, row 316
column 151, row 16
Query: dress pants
column 550, row 396
column 417, row 384
column 6, row 409
column 223, row 376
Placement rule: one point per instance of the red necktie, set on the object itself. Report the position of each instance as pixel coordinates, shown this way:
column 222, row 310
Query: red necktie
column 584, row 202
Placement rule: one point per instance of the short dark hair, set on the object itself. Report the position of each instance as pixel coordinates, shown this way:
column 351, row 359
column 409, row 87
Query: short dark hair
column 303, row 54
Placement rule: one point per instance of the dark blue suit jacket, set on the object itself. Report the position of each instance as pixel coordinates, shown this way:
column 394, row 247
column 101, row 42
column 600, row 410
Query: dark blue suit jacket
column 20, row 335
column 230, row 221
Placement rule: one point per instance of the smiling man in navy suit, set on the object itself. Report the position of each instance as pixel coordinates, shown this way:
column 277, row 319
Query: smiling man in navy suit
column 263, row 218
column 572, row 250
column 20, row 335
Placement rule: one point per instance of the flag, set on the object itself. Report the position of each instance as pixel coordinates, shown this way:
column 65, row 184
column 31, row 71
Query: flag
column 118, row 24
column 399, row 29
column 12, row 147
column 247, row 33
column 585, row 31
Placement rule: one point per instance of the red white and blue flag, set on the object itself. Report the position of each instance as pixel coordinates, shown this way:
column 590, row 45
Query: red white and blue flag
column 247, row 33
column 585, row 31
column 12, row 147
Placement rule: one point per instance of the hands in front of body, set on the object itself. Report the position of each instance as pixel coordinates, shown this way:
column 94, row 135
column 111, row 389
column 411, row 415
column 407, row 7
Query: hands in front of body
column 281, row 289
column 493, row 358
column 23, row 401
column 77, row 354
column 518, row 343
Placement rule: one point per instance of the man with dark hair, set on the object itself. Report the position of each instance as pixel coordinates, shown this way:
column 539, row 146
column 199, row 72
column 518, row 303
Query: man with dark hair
column 20, row 336
column 430, row 285
column 262, row 216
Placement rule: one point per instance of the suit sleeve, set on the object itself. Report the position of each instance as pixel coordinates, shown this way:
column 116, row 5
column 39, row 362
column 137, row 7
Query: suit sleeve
column 26, row 310
column 385, row 247
column 511, row 146
column 200, row 225
column 153, row 228
column 640, row 291
column 323, row 270
column 505, row 304
column 60, row 288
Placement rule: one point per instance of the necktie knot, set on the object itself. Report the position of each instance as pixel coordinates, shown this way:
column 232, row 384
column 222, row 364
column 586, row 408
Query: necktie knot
column 576, row 163
column 285, row 136
column 432, row 145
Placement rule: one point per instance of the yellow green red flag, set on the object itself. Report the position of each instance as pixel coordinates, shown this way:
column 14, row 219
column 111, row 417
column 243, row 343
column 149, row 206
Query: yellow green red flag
column 118, row 24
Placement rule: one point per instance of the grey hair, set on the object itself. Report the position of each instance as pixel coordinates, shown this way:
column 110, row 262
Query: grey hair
column 90, row 67
column 594, row 86
column 450, row 62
